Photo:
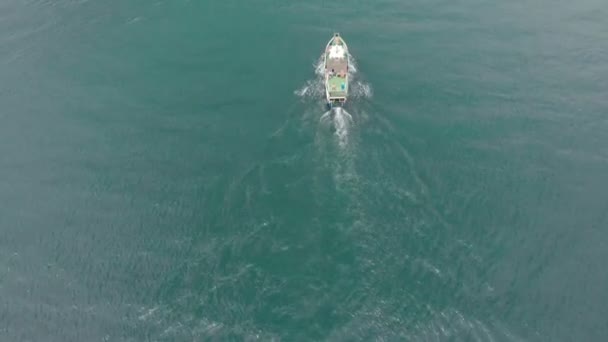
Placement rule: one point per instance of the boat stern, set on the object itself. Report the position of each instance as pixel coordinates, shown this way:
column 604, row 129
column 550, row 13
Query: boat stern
column 336, row 102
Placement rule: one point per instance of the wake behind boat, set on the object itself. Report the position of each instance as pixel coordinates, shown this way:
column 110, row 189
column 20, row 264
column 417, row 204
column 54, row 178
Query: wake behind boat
column 336, row 71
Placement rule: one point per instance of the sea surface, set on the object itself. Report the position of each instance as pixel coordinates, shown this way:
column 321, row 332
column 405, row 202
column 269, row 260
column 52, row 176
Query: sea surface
column 169, row 171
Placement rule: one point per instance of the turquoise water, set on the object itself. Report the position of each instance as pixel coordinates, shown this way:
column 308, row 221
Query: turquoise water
column 168, row 172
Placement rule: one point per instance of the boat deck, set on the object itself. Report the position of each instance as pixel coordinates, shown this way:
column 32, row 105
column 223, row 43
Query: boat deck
column 340, row 66
column 338, row 87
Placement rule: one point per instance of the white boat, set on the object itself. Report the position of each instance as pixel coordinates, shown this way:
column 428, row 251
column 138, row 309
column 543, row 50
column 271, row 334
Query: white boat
column 336, row 71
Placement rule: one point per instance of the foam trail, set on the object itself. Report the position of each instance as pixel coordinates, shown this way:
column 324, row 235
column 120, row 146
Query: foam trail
column 342, row 112
column 342, row 121
column 352, row 70
column 319, row 70
column 325, row 117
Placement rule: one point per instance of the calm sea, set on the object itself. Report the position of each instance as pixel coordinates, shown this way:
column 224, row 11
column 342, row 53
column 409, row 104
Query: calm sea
column 168, row 171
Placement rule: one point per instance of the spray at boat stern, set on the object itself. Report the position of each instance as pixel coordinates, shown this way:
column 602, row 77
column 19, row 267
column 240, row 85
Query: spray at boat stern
column 339, row 123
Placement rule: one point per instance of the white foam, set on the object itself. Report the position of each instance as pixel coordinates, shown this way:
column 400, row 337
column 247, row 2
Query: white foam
column 342, row 121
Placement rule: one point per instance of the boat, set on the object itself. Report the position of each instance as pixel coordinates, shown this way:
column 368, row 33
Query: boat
column 335, row 61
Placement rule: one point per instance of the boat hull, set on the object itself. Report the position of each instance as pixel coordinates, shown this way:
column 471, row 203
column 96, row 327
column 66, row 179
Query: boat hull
column 336, row 71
